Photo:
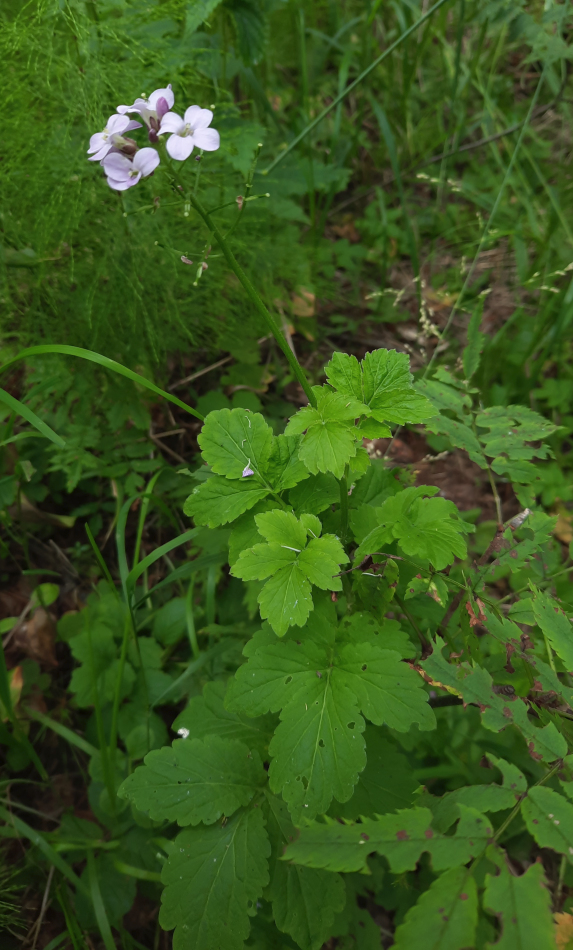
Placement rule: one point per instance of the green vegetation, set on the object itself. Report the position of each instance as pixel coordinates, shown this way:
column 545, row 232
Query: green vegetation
column 286, row 534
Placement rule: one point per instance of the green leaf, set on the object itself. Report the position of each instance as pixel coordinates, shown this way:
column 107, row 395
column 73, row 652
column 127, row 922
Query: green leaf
column 401, row 838
column 232, row 440
column 213, row 879
column 460, row 436
column 285, row 469
column 522, row 905
column 549, row 818
column 22, row 410
column 207, row 716
column 96, row 650
column 444, row 396
column 320, row 685
column 471, row 356
column 362, row 627
column 245, row 533
column 424, row 527
column 197, row 12
column 445, row 916
column 117, row 892
column 195, row 780
column 220, row 500
column 475, row 685
column 330, row 440
column 555, row 626
column 283, row 528
column 383, row 382
column 386, row 784
column 305, row 900
column 315, row 495
column 285, row 600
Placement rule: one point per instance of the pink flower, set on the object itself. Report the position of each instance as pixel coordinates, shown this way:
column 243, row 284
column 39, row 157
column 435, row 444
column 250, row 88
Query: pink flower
column 123, row 173
column 112, row 136
column 152, row 110
column 190, row 131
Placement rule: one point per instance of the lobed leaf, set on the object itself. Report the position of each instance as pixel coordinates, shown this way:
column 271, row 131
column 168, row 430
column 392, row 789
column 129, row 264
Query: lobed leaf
column 195, row 780
column 444, row 917
column 213, row 879
column 219, row 500
column 549, row 818
column 234, row 439
column 522, row 905
column 383, row 382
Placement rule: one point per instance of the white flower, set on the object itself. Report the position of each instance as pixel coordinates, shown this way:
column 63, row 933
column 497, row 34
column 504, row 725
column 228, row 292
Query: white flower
column 102, row 142
column 152, row 109
column 190, row 131
column 123, row 173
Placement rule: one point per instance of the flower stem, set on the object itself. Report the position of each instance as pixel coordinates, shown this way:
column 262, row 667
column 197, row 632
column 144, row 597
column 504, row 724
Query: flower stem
column 243, row 279
column 344, row 506
column 255, row 299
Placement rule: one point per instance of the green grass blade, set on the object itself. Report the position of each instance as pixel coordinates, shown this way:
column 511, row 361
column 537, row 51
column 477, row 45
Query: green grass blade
column 312, row 125
column 16, row 406
column 138, row 873
column 143, row 565
column 145, row 502
column 186, row 570
column 40, row 842
column 104, row 361
column 99, row 906
column 62, row 731
column 99, row 558
column 193, row 667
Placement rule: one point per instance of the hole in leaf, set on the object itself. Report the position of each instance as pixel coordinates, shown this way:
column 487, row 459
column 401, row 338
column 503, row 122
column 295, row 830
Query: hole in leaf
column 288, row 680
column 351, row 725
column 364, row 667
column 321, row 743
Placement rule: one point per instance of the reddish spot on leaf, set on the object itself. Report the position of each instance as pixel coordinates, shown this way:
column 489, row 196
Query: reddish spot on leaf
column 402, row 835
column 507, row 712
column 429, row 833
column 366, row 837
column 463, row 897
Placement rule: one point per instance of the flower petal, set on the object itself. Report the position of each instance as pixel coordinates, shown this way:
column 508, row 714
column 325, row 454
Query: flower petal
column 97, row 141
column 138, row 106
column 146, row 161
column 117, row 165
column 116, row 123
column 180, row 147
column 171, row 122
column 101, row 153
column 132, row 124
column 191, row 115
column 207, row 139
column 122, row 185
column 203, row 119
column 166, row 94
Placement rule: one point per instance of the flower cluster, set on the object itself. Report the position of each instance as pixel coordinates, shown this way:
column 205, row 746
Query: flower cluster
column 124, row 163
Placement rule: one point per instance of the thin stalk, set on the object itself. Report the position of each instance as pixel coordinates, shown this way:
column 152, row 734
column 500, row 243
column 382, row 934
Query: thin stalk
column 312, row 125
column 190, row 619
column 344, row 506
column 488, row 226
column 108, row 775
column 117, row 694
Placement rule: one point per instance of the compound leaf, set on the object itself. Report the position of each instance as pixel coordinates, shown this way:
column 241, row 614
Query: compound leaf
column 383, row 382
column 286, row 600
column 549, row 818
column 522, row 905
column 282, row 527
column 305, row 900
column 445, row 916
column 195, row 780
column 219, row 500
column 330, row 440
column 285, row 469
column 262, row 560
column 213, row 879
column 315, row 495
column 401, row 837
column 555, row 625
column 321, row 560
column 233, row 440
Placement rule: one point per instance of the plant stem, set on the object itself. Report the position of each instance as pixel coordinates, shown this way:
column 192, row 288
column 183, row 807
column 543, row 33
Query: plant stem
column 255, row 299
column 344, row 506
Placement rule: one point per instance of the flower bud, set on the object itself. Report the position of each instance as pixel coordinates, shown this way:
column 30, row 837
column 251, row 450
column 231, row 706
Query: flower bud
column 126, row 146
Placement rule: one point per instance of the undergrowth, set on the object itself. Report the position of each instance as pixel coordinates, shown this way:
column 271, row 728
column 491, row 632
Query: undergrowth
column 367, row 673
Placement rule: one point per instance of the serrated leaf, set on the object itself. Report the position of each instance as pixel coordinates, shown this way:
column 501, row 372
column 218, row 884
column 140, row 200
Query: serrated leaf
column 317, row 749
column 285, row 600
column 213, row 879
column 206, row 716
column 444, row 396
column 401, row 838
column 305, row 900
column 460, row 436
column 234, row 439
column 285, row 469
column 195, row 780
column 220, row 500
column 262, row 560
column 321, row 560
column 315, row 495
column 475, row 685
column 383, row 382
column 555, row 625
column 362, row 627
column 444, row 917
column 282, row 527
column 522, row 905
column 549, row 818
column 388, row 691
column 245, row 533
column 512, row 429
column 330, row 440
column 311, row 524
column 424, row 527
column 387, row 784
